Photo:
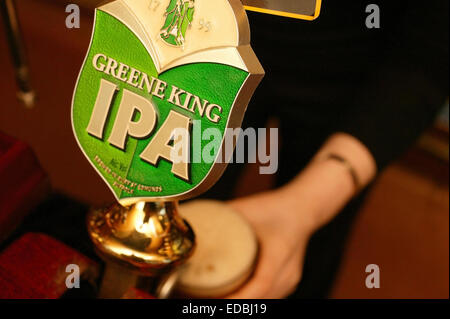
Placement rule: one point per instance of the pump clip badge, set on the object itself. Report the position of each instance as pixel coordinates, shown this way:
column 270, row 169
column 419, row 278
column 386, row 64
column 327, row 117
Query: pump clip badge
column 154, row 67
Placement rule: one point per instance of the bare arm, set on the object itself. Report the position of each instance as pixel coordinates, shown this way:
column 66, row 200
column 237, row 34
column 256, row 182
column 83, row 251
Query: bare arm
column 284, row 219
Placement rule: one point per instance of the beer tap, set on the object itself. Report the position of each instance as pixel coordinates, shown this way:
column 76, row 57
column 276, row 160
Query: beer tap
column 16, row 45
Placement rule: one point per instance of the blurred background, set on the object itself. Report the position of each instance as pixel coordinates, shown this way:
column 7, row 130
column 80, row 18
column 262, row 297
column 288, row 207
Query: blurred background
column 403, row 226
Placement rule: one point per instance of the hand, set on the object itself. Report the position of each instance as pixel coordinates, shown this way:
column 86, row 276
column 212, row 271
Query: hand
column 285, row 219
column 283, row 235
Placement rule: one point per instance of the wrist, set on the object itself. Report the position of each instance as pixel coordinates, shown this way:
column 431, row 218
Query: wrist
column 352, row 154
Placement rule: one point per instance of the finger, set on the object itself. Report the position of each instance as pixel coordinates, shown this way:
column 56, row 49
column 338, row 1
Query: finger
column 258, row 287
column 287, row 281
column 261, row 282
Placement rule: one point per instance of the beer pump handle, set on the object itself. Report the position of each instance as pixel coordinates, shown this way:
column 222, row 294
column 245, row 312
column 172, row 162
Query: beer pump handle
column 17, row 50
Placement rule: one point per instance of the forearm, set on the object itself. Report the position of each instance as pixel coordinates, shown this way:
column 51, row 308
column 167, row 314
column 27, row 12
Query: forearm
column 326, row 185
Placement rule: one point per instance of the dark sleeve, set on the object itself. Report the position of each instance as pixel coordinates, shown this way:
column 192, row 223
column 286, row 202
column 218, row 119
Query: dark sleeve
column 404, row 92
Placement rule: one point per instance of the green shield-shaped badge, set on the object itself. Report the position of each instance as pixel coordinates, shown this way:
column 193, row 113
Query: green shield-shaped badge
column 157, row 75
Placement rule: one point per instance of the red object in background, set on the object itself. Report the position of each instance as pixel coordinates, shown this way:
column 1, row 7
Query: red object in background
column 34, row 267
column 23, row 183
column 134, row 293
